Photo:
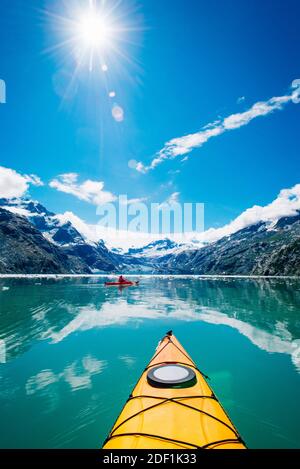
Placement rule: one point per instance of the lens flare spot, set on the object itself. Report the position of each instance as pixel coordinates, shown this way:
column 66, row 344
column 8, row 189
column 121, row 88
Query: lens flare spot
column 118, row 113
column 132, row 164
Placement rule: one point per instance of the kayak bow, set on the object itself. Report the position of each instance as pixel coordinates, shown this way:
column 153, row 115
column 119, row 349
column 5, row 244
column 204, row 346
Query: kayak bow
column 173, row 407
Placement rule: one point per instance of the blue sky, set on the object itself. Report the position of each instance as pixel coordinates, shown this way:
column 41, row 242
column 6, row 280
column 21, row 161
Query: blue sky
column 190, row 62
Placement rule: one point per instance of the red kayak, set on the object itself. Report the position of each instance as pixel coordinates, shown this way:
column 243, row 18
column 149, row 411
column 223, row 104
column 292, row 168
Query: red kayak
column 120, row 284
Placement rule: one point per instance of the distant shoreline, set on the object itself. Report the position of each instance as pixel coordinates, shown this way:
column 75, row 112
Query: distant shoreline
column 163, row 276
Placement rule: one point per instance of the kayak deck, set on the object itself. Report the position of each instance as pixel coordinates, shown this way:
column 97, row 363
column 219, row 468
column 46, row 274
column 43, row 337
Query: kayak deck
column 173, row 417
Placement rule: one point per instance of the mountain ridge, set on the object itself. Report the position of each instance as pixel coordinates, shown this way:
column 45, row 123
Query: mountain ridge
column 64, row 235
column 262, row 248
column 259, row 249
column 23, row 249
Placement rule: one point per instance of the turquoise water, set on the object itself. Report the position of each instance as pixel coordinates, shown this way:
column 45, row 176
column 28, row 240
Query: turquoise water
column 71, row 351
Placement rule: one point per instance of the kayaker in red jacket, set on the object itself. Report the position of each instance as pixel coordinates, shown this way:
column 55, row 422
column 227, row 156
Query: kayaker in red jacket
column 122, row 279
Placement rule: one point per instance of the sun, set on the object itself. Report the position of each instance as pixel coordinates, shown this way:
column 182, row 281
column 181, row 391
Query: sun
column 94, row 34
column 94, row 31
column 99, row 36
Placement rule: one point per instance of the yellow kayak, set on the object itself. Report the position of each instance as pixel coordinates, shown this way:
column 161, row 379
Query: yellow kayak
column 173, row 407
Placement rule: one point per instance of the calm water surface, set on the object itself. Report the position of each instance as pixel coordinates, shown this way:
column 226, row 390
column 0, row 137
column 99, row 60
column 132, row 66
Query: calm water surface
column 71, row 351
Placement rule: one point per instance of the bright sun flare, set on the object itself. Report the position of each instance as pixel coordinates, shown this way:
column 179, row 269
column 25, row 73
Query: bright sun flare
column 94, row 31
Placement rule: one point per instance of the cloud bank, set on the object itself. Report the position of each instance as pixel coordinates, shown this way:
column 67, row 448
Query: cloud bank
column 89, row 191
column 286, row 204
column 181, row 146
column 14, row 185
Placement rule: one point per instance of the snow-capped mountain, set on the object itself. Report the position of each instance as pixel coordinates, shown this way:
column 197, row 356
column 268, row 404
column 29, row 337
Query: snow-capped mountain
column 50, row 225
column 263, row 248
column 24, row 250
column 34, row 237
column 57, row 230
column 63, row 234
column 157, row 248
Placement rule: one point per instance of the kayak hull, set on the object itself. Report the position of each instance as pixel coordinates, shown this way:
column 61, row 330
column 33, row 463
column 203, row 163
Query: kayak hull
column 168, row 418
column 120, row 284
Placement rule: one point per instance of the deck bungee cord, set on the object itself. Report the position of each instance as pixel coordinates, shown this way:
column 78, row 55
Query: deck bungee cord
column 172, row 407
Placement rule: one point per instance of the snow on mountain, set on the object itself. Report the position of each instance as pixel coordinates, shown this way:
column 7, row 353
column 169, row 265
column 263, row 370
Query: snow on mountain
column 63, row 234
column 258, row 249
column 51, row 226
column 261, row 241
column 24, row 250
column 158, row 248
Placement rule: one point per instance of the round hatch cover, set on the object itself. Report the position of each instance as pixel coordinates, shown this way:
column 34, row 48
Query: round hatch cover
column 171, row 376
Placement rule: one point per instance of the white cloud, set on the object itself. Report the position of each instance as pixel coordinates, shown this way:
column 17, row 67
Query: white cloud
column 69, row 178
column 286, row 204
column 258, row 109
column 140, row 167
column 181, row 146
column 34, row 180
column 170, row 200
column 113, row 238
column 89, row 191
column 135, row 200
column 173, row 198
column 13, row 184
column 89, row 232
